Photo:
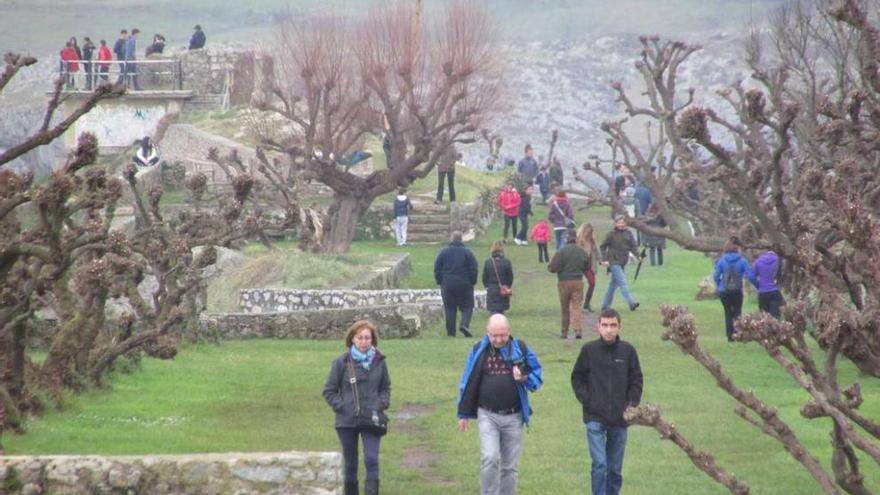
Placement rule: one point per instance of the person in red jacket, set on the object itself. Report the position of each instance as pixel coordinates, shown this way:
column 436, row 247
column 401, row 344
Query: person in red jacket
column 104, row 56
column 69, row 64
column 541, row 235
column 508, row 201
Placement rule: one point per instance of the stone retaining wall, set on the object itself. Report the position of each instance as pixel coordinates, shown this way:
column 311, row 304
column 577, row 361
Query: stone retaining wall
column 285, row 300
column 394, row 321
column 388, row 273
column 300, row 473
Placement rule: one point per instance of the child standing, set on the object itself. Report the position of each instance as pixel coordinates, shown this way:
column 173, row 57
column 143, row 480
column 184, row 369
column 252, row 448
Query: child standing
column 402, row 207
column 541, row 235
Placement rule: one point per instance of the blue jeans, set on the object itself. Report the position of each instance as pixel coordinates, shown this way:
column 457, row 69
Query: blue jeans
column 607, row 444
column 560, row 233
column 618, row 279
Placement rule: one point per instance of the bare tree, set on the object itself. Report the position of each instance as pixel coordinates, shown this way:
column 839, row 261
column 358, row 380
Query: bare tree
column 789, row 166
column 337, row 84
column 58, row 253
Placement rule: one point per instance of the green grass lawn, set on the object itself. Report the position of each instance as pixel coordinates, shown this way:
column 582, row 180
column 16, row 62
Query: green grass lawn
column 266, row 396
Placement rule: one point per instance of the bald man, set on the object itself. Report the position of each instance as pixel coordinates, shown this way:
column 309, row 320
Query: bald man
column 498, row 376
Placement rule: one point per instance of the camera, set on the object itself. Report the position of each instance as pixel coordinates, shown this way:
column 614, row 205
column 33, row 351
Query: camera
column 522, row 365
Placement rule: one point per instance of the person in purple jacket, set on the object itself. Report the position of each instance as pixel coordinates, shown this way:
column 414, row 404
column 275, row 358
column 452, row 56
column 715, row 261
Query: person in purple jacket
column 768, row 269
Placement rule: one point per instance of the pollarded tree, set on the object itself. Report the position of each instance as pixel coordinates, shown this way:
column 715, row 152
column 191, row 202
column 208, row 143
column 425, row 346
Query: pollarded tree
column 59, row 253
column 789, row 166
column 337, row 83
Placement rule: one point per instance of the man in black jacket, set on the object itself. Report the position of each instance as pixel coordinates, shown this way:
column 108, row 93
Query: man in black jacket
column 616, row 249
column 455, row 271
column 606, row 380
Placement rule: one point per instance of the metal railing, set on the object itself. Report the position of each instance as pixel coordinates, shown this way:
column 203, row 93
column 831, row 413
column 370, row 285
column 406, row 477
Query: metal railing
column 136, row 75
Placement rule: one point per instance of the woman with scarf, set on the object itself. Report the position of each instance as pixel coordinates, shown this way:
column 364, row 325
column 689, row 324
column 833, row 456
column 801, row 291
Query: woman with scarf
column 358, row 387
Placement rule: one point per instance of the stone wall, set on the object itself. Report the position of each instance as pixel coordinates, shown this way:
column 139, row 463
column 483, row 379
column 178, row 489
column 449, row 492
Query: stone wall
column 221, row 68
column 388, row 273
column 300, row 473
column 281, row 300
column 257, row 301
column 394, row 321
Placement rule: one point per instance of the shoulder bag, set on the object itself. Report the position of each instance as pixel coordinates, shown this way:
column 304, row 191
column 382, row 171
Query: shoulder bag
column 504, row 290
column 375, row 422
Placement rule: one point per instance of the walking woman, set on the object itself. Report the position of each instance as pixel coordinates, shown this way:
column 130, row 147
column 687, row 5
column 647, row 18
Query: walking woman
column 587, row 241
column 498, row 280
column 358, row 390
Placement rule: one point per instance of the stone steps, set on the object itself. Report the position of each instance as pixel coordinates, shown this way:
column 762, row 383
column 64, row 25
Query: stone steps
column 424, row 238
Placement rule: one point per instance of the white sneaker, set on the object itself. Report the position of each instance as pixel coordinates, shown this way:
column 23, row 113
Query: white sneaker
column 517, row 241
column 524, row 243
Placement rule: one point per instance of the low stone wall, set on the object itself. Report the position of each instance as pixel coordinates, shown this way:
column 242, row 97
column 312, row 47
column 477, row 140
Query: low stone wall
column 257, row 301
column 394, row 321
column 388, row 273
column 301, row 473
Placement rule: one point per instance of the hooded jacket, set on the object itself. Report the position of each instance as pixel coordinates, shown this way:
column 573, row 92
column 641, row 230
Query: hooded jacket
column 508, row 201
column 540, row 233
column 373, row 386
column 734, row 261
column 512, row 352
column 768, row 270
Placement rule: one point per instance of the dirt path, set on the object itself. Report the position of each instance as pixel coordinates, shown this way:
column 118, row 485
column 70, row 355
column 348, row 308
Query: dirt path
column 420, row 456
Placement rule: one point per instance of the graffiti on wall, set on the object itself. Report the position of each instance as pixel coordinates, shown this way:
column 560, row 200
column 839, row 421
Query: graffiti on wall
column 120, row 125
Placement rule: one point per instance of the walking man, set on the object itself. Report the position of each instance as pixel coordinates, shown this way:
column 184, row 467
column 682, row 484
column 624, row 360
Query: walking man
column 616, row 249
column 498, row 376
column 119, row 50
column 569, row 264
column 606, row 380
column 455, row 271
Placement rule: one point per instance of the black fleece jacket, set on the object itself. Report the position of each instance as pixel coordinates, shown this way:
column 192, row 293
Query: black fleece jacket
column 606, row 379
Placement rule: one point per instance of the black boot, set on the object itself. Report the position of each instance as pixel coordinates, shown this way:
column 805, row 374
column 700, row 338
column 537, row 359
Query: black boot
column 371, row 487
column 351, row 488
column 465, row 332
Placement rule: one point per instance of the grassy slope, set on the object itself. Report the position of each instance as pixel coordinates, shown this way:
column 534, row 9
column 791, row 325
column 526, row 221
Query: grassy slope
column 265, row 395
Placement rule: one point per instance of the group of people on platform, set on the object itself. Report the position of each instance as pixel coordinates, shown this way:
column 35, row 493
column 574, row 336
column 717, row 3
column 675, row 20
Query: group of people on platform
column 96, row 60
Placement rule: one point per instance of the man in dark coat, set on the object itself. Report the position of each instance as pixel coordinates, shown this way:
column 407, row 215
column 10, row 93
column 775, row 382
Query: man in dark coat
column 119, row 50
column 455, row 271
column 446, row 169
column 616, row 250
column 198, row 38
column 527, row 168
column 606, row 379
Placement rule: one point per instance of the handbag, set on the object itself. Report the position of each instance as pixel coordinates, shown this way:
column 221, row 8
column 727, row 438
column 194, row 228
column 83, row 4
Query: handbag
column 375, row 422
column 503, row 290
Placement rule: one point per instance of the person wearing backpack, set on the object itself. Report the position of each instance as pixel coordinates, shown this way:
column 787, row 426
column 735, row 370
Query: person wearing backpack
column 729, row 271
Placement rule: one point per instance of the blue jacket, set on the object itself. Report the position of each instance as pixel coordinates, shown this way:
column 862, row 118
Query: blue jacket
column 736, row 262
column 455, row 265
column 130, row 48
column 511, row 353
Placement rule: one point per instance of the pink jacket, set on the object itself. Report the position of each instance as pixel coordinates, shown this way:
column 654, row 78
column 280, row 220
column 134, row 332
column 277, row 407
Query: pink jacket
column 540, row 232
column 508, row 201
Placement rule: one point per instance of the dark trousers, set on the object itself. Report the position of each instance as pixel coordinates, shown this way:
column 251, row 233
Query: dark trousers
column 771, row 302
column 88, row 70
column 451, row 178
column 348, row 437
column 543, row 255
column 733, row 304
column 590, row 275
column 455, row 298
column 131, row 76
column 121, row 78
column 658, row 254
column 511, row 222
column 523, row 227
column 104, row 70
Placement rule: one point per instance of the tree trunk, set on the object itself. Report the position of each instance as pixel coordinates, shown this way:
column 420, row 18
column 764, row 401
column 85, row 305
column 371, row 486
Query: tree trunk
column 342, row 219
